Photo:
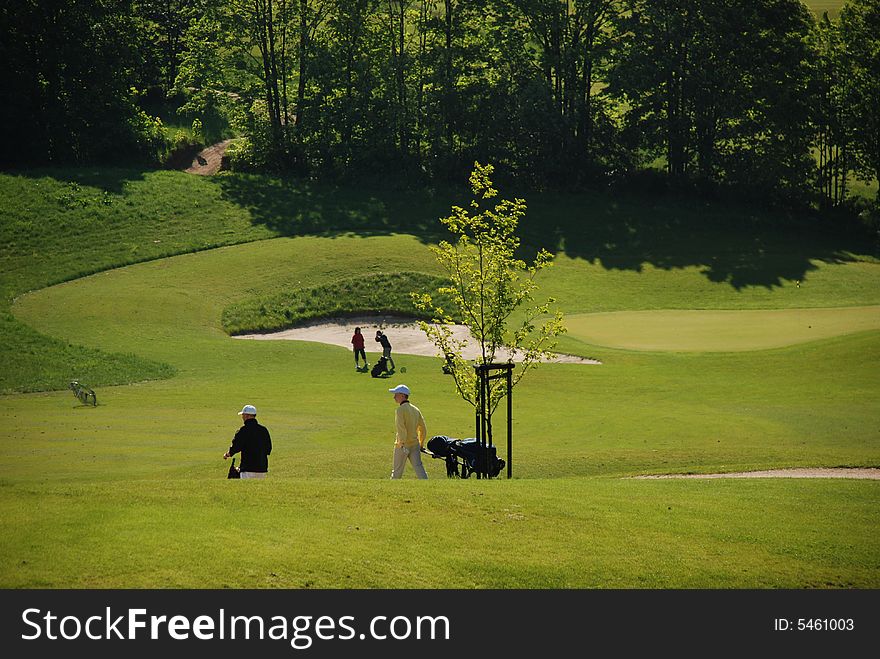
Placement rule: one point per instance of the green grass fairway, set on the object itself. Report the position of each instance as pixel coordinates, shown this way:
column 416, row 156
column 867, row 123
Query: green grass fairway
column 145, row 464
column 340, row 533
column 719, row 331
column 132, row 493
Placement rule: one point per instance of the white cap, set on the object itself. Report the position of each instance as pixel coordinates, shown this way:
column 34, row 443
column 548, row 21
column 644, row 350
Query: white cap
column 249, row 409
column 400, row 389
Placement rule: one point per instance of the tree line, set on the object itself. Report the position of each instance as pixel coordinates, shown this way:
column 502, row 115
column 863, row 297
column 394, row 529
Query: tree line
column 758, row 94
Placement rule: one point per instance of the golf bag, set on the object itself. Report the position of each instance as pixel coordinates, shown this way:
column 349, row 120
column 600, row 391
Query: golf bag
column 83, row 393
column 464, row 457
column 380, row 367
column 234, row 472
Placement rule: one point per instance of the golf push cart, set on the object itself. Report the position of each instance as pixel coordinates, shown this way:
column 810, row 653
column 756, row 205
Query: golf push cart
column 465, row 457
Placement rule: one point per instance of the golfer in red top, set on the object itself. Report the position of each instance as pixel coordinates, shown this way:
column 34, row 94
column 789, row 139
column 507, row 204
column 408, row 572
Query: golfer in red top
column 357, row 341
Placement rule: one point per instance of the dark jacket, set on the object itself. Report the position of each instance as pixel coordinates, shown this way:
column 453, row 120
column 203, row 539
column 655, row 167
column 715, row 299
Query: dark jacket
column 255, row 445
column 384, row 341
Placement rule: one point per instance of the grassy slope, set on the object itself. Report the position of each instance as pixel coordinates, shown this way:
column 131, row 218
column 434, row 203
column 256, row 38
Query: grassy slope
column 58, row 225
column 382, row 293
column 761, row 402
column 132, row 493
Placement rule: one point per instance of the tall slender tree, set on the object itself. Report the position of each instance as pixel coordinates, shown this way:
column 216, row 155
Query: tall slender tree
column 489, row 283
column 397, row 17
column 830, row 112
column 860, row 30
column 719, row 88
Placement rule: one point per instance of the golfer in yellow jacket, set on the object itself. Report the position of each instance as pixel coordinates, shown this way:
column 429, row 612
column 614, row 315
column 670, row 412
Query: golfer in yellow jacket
column 410, row 436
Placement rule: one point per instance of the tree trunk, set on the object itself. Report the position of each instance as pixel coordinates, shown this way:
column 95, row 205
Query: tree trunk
column 447, row 77
column 273, row 68
column 264, row 24
column 284, row 101
column 303, row 47
column 401, row 82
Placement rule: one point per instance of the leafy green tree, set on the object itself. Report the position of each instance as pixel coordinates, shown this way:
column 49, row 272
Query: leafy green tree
column 719, row 88
column 311, row 16
column 490, row 285
column 651, row 76
column 765, row 142
column 860, row 30
column 347, row 70
column 831, row 112
column 202, row 72
column 66, row 84
column 352, row 125
column 456, row 77
column 267, row 23
column 396, row 17
column 272, row 44
column 164, row 24
column 574, row 38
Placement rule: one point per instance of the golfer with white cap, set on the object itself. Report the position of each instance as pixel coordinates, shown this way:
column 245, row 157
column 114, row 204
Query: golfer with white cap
column 411, row 434
column 254, row 443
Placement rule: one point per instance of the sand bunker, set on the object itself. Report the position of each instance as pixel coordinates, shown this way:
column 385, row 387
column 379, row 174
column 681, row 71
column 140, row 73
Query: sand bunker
column 842, row 472
column 404, row 333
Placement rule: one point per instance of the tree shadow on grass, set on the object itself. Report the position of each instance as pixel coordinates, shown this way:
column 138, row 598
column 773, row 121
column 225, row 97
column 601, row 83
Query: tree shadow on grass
column 741, row 245
column 733, row 243
column 109, row 179
column 295, row 208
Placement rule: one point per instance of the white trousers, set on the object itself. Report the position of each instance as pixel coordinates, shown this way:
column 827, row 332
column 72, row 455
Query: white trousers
column 253, row 474
column 415, row 458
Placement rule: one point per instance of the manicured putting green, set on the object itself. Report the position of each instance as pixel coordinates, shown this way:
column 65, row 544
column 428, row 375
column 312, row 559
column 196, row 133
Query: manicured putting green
column 719, row 331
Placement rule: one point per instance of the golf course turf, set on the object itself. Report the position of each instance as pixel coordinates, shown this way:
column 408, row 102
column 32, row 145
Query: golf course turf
column 719, row 331
column 699, row 374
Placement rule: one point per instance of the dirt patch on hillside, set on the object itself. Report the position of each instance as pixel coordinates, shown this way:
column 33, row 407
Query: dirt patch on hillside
column 840, row 472
column 404, row 334
column 208, row 161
